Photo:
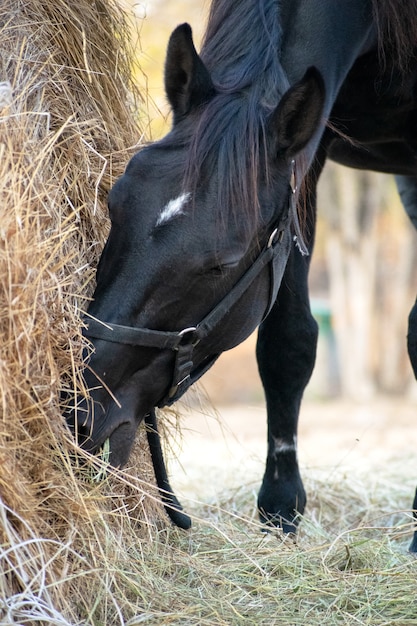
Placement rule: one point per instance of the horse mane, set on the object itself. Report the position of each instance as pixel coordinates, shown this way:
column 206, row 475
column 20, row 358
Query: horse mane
column 396, row 22
column 241, row 50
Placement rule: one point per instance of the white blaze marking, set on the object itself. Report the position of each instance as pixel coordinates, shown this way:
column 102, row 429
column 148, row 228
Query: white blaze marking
column 173, row 209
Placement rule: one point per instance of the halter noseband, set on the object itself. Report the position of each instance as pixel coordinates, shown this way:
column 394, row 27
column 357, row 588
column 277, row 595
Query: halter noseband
column 184, row 341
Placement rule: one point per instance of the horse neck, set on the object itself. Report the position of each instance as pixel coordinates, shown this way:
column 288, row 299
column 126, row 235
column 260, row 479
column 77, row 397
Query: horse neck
column 332, row 35
column 329, row 35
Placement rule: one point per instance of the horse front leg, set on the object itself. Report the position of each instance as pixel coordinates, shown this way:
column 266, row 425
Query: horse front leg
column 412, row 352
column 286, row 351
column 407, row 188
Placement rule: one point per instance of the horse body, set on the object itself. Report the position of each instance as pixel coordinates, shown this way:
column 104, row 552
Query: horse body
column 194, row 213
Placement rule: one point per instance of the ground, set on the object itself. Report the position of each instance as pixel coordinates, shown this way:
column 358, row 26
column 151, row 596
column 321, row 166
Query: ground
column 230, row 447
column 224, row 444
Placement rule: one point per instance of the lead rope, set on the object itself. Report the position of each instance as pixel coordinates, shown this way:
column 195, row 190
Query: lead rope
column 169, row 500
column 298, row 237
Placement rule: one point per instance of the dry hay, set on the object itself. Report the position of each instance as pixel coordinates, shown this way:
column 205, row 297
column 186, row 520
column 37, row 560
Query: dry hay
column 340, row 572
column 67, row 129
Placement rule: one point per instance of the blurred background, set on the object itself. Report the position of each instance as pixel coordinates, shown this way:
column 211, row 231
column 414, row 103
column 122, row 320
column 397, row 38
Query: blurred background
column 363, row 285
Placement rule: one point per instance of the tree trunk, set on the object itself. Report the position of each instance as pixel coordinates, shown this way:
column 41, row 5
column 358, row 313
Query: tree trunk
column 370, row 257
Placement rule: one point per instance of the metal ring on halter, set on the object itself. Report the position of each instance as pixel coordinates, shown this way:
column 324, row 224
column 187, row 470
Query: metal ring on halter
column 190, row 329
column 271, row 238
column 293, row 179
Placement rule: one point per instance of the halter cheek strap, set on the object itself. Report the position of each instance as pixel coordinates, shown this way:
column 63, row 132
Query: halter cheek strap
column 185, row 341
column 298, row 236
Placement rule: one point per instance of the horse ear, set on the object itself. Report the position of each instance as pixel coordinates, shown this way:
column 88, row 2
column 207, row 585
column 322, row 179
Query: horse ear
column 187, row 80
column 298, row 115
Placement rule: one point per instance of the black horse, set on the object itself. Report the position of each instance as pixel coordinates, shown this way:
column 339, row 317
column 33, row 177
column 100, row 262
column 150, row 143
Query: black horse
column 207, row 240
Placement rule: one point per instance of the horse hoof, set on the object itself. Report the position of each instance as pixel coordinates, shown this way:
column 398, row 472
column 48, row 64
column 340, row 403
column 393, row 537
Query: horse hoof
column 277, row 522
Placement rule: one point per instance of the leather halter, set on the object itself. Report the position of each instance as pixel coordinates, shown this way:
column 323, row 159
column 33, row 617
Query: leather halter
column 185, row 341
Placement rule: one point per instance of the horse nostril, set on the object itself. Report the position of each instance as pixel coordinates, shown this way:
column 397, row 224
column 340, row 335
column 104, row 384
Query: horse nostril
column 79, row 422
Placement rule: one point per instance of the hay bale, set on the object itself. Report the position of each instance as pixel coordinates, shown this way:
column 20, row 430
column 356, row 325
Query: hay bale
column 67, row 129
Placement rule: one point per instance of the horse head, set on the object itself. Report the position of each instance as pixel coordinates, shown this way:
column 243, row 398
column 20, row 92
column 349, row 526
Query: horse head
column 183, row 277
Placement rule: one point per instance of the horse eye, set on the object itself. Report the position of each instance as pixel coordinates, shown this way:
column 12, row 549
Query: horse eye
column 223, row 268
